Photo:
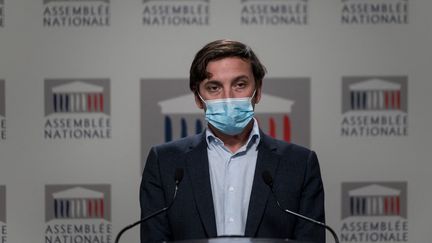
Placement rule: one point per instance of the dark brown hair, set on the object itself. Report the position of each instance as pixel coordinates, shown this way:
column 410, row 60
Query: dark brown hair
column 220, row 49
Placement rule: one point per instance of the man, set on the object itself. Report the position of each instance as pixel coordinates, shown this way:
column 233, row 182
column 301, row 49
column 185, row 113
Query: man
column 222, row 192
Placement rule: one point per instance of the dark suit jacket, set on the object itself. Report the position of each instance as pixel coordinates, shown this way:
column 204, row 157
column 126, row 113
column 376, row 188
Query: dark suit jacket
column 297, row 184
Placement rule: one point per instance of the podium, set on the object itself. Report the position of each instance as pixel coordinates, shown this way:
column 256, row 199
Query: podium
column 239, row 240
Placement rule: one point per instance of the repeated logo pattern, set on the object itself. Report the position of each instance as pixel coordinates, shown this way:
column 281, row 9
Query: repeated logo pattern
column 375, row 94
column 77, row 96
column 274, row 12
column 374, row 212
column 78, row 202
column 373, row 12
column 374, row 106
column 2, row 204
column 76, row 13
column 374, row 200
column 2, row 110
column 77, row 109
column 176, row 12
column 2, row 99
column 1, row 13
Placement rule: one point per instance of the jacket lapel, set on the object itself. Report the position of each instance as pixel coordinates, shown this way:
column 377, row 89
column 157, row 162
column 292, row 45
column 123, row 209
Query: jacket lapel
column 267, row 160
column 198, row 169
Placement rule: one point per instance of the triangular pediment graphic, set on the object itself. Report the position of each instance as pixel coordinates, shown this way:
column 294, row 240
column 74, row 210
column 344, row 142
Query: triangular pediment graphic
column 374, row 190
column 77, row 87
column 78, row 192
column 375, row 84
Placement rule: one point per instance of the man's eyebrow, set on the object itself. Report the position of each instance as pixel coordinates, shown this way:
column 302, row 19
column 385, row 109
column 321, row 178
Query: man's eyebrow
column 215, row 81
column 212, row 81
column 240, row 77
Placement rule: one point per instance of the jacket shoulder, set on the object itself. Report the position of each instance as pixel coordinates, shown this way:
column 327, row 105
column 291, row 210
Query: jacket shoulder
column 179, row 146
column 284, row 148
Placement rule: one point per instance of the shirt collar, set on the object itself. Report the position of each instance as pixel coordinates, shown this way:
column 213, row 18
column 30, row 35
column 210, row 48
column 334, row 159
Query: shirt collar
column 254, row 137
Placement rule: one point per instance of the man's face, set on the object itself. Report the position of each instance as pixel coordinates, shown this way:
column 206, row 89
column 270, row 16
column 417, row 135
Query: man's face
column 229, row 77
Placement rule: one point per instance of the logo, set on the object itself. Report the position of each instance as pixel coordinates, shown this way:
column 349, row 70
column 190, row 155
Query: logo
column 176, row 12
column 169, row 111
column 78, row 213
column 76, row 13
column 2, row 110
column 1, row 13
column 3, row 228
column 374, row 106
column 2, row 204
column 374, row 212
column 274, row 12
column 373, row 12
column 77, row 109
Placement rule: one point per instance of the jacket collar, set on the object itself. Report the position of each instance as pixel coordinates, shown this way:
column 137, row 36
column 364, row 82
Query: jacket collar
column 267, row 160
column 198, row 169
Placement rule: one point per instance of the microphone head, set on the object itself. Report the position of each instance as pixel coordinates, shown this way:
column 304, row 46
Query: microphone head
column 178, row 176
column 267, row 178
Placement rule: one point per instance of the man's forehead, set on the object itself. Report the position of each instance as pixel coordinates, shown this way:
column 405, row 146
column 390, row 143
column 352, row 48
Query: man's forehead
column 228, row 59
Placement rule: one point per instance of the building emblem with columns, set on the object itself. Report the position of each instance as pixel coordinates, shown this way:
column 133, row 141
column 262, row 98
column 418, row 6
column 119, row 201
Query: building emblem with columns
column 375, row 94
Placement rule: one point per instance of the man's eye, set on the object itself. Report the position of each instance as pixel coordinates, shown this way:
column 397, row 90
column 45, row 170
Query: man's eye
column 212, row 88
column 240, row 85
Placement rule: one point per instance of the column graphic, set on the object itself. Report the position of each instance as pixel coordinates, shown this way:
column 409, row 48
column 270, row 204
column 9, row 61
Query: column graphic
column 2, row 99
column 374, row 199
column 77, row 202
column 77, row 96
column 2, row 204
column 375, row 94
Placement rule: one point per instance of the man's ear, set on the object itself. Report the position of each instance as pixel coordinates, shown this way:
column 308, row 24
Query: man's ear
column 198, row 101
column 257, row 96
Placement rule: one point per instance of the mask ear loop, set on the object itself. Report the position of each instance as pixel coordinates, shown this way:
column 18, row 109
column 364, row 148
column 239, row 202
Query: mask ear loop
column 251, row 98
column 201, row 97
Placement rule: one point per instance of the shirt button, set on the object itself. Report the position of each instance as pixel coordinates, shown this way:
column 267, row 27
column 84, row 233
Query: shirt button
column 231, row 220
column 231, row 189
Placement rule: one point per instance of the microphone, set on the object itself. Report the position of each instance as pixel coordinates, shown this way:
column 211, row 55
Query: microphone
column 268, row 180
column 178, row 176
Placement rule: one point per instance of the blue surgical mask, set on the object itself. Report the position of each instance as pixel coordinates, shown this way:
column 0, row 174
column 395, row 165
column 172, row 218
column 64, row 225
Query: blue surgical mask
column 231, row 115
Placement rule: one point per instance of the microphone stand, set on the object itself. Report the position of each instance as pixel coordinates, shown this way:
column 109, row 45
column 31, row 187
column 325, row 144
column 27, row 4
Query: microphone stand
column 268, row 180
column 308, row 219
column 178, row 178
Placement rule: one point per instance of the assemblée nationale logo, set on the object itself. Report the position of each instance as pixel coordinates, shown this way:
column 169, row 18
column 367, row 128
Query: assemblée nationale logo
column 78, row 213
column 176, row 12
column 77, row 109
column 3, row 228
column 373, row 12
column 76, row 13
column 274, row 12
column 170, row 114
column 374, row 106
column 374, row 212
column 2, row 110
column 1, row 13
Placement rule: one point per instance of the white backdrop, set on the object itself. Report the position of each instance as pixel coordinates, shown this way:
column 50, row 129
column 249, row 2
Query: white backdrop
column 124, row 50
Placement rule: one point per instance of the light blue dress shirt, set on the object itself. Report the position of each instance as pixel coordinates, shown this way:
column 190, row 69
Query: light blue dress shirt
column 231, row 177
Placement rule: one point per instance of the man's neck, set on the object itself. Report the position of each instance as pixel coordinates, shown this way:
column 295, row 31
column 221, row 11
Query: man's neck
column 234, row 142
